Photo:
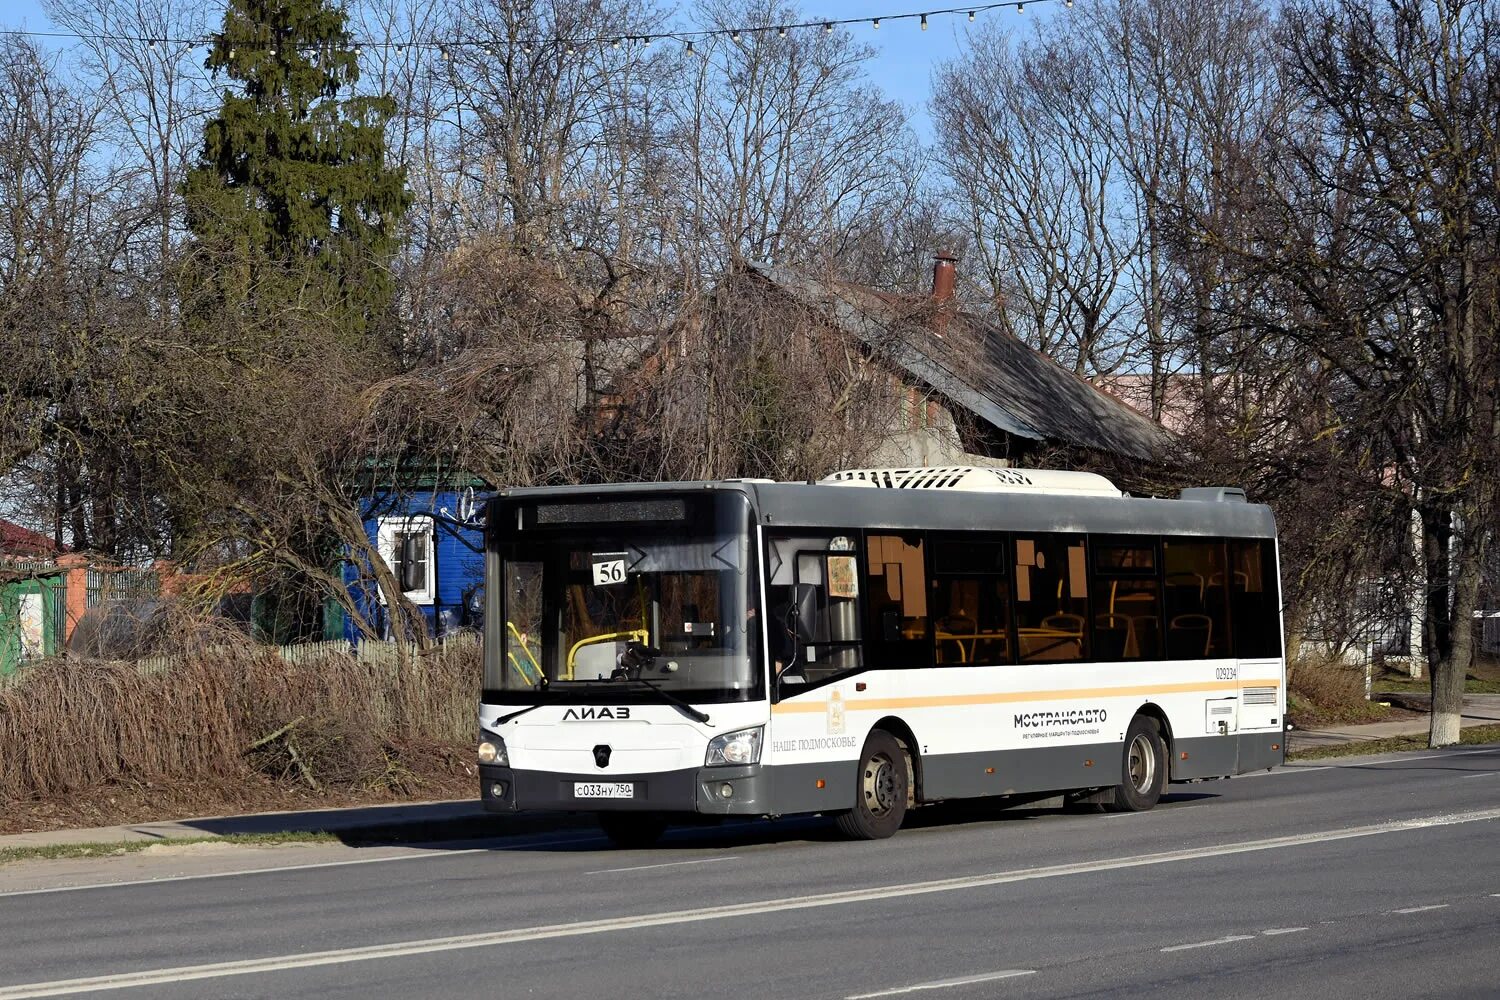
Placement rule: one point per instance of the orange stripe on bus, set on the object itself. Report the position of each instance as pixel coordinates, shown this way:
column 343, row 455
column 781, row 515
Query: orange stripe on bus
column 1007, row 697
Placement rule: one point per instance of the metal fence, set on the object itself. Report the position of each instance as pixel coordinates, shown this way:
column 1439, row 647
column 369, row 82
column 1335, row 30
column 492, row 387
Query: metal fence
column 1489, row 632
column 375, row 653
column 126, row 584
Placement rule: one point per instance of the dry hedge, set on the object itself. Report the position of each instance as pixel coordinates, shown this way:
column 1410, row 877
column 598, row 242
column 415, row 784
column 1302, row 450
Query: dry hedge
column 330, row 719
column 1325, row 690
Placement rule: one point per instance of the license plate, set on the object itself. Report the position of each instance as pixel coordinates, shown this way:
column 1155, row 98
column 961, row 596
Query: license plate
column 603, row 790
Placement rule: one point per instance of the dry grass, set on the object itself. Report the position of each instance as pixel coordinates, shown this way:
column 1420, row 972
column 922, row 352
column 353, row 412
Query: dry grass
column 1468, row 736
column 1483, row 677
column 231, row 709
column 1323, row 691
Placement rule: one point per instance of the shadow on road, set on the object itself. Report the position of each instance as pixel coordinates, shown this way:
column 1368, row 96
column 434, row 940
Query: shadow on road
column 460, row 826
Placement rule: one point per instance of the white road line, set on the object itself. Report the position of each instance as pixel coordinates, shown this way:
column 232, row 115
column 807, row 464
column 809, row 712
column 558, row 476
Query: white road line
column 1421, row 909
column 1273, row 931
column 666, row 864
column 1284, row 769
column 341, row 956
column 1393, row 758
column 1228, row 939
column 983, row 977
column 431, row 855
column 1484, row 774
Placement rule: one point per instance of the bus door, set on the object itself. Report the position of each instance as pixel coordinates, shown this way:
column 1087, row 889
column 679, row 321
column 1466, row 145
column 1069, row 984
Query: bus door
column 1254, row 604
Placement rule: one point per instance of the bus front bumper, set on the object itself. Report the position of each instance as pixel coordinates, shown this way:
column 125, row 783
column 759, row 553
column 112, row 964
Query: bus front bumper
column 714, row 791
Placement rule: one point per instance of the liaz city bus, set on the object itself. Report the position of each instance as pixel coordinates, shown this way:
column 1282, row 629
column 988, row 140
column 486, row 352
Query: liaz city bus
column 865, row 644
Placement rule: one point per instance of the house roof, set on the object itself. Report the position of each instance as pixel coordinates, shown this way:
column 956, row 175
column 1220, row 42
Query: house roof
column 18, row 541
column 1007, row 383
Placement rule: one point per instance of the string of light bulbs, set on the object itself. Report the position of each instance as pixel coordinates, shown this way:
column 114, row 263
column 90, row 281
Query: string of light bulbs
column 687, row 38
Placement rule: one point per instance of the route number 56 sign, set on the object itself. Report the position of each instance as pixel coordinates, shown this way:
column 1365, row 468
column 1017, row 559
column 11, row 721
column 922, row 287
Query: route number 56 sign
column 609, row 568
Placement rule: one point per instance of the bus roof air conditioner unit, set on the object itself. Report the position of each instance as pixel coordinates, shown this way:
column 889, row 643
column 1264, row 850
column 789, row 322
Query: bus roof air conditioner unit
column 1213, row 494
column 973, row 479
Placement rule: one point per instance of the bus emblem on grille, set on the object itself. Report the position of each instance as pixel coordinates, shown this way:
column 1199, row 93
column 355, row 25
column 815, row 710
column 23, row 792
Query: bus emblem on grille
column 601, row 755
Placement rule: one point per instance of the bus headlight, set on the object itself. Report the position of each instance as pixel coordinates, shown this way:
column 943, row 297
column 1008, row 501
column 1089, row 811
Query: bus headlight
column 742, row 747
column 492, row 751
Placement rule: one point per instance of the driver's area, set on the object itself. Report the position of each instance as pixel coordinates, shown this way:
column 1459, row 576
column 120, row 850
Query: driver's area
column 594, row 608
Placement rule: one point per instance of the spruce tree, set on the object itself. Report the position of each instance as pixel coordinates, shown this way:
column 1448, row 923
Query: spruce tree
column 293, row 175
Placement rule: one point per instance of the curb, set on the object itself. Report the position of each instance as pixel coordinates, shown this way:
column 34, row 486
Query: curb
column 430, row 822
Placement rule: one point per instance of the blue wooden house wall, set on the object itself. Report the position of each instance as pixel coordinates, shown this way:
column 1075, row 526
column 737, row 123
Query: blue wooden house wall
column 459, row 568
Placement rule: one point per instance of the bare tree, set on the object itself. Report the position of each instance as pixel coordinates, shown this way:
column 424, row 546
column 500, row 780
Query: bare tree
column 71, row 319
column 1041, row 190
column 1190, row 91
column 1365, row 248
column 785, row 151
column 157, row 89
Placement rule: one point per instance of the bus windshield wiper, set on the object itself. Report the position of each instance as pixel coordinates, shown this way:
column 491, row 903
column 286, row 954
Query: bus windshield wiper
column 637, row 657
column 670, row 698
column 540, row 685
column 516, row 714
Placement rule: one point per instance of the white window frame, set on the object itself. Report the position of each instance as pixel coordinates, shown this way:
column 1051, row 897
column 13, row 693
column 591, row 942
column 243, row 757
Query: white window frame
column 388, row 531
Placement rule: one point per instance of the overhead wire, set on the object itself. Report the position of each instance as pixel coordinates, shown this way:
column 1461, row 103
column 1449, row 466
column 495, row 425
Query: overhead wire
column 689, row 38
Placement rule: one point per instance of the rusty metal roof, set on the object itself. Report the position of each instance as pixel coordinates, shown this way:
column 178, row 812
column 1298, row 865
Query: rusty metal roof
column 979, row 367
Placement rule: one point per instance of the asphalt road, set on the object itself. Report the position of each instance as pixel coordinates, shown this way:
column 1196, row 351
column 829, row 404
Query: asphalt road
column 1375, row 879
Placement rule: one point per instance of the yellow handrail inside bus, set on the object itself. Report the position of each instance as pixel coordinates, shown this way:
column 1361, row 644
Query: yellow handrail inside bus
column 636, row 635
column 525, row 648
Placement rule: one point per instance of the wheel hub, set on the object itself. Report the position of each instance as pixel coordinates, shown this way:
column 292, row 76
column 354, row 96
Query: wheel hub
column 879, row 785
column 1141, row 763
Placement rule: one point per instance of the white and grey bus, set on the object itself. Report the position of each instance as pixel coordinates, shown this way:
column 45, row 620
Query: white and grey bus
column 874, row 641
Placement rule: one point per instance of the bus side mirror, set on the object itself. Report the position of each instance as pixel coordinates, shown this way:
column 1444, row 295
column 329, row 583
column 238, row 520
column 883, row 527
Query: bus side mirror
column 805, row 612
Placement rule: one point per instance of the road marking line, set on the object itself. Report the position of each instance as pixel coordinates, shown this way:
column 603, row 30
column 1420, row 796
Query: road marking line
column 1390, row 758
column 1273, row 931
column 1229, row 939
column 1431, row 756
column 983, row 977
column 1421, row 909
column 341, row 956
column 666, row 864
column 431, row 855
column 1484, row 774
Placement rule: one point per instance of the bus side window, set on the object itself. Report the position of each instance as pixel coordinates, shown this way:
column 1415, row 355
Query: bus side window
column 1127, row 599
column 1051, row 598
column 1197, row 600
column 896, row 633
column 971, row 602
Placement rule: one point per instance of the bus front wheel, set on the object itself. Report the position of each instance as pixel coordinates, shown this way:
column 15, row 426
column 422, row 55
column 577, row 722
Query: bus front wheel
column 632, row 829
column 881, row 790
column 1143, row 768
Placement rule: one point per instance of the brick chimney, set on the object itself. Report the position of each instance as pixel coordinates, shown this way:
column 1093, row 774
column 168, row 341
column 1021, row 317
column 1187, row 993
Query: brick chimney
column 944, row 275
column 944, row 280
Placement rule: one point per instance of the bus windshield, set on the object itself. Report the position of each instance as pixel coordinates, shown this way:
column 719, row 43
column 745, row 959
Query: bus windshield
column 587, row 612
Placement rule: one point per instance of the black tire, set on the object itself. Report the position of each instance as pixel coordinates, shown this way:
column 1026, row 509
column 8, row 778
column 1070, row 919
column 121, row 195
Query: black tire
column 632, row 829
column 881, row 790
column 1143, row 768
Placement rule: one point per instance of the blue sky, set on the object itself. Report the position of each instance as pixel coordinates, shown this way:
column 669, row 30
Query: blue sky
column 903, row 67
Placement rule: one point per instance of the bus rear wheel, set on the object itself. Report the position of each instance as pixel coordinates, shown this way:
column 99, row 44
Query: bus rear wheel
column 632, row 829
column 881, row 790
column 1143, row 768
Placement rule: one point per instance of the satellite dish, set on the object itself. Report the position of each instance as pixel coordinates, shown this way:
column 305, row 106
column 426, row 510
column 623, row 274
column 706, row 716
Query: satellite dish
column 467, row 507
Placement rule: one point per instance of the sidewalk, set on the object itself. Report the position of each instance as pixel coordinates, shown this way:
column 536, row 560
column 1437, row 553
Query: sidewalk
column 1479, row 710
column 404, row 823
